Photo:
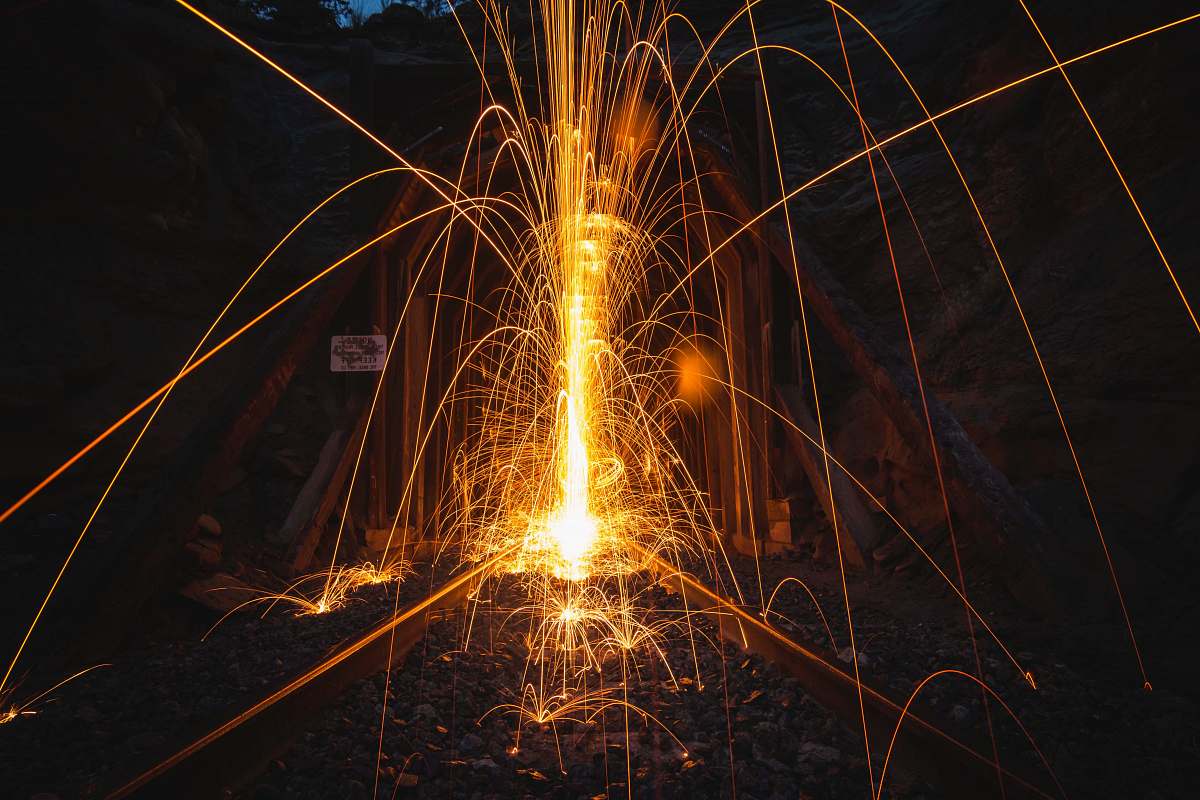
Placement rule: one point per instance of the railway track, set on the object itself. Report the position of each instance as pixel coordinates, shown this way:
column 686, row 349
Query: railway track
column 216, row 760
column 922, row 748
column 227, row 754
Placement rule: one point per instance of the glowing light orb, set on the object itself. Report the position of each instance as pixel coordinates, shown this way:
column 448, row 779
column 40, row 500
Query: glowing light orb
column 574, row 533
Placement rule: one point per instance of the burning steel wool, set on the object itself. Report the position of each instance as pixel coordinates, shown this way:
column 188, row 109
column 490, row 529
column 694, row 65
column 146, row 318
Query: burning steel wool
column 572, row 468
column 584, row 364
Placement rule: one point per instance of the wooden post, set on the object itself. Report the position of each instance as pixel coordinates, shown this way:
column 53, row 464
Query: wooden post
column 739, row 449
column 719, row 452
column 381, row 322
column 735, row 375
column 362, row 106
column 765, row 307
column 435, row 452
column 416, row 370
column 747, row 493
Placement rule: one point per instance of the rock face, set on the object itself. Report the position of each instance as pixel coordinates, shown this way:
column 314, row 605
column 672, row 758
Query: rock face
column 120, row 118
column 154, row 166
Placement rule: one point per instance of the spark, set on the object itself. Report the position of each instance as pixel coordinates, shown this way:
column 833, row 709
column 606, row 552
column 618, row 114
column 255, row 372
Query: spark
column 336, row 589
column 12, row 710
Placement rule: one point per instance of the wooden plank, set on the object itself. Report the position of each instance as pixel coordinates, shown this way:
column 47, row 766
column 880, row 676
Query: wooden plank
column 305, row 526
column 858, row 532
column 309, row 499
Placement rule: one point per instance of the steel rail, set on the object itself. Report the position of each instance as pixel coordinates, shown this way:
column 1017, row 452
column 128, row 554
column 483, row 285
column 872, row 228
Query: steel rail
column 922, row 749
column 230, row 753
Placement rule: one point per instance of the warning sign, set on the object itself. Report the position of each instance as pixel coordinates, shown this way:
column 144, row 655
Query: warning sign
column 357, row 353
